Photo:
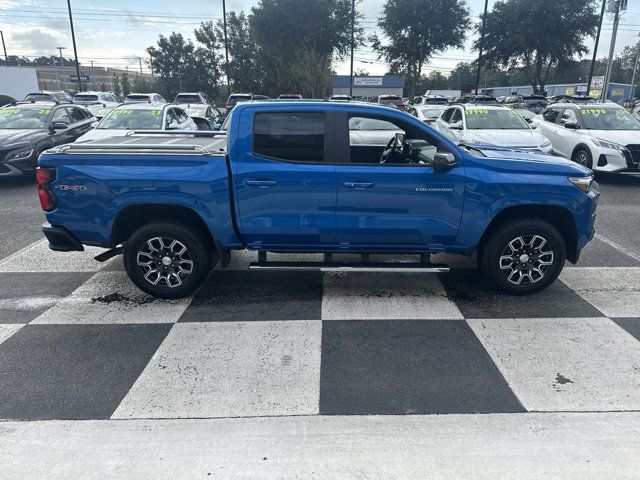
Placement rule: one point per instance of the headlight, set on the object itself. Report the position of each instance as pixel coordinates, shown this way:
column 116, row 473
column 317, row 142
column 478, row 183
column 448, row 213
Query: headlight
column 583, row 183
column 610, row 145
column 20, row 154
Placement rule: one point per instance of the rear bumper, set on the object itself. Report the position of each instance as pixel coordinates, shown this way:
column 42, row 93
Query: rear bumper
column 60, row 239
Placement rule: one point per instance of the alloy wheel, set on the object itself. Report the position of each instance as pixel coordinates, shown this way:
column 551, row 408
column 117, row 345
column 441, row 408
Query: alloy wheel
column 164, row 261
column 526, row 259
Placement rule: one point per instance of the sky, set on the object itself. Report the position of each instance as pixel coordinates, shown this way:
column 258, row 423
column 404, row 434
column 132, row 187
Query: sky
column 118, row 34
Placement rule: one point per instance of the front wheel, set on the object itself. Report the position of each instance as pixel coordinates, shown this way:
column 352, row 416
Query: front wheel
column 523, row 256
column 167, row 260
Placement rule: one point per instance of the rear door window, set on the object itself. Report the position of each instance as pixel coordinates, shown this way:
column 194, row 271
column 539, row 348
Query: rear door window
column 290, row 136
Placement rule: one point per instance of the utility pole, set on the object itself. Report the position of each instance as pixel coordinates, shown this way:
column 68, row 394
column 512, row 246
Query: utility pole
column 151, row 64
column 617, row 5
column 140, row 61
column 75, row 50
column 61, row 84
column 480, row 45
column 4, row 47
column 226, row 46
column 595, row 47
column 93, row 77
column 635, row 69
column 353, row 40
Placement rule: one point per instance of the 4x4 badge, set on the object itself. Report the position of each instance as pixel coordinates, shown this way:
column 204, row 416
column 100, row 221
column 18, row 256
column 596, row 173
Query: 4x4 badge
column 71, row 188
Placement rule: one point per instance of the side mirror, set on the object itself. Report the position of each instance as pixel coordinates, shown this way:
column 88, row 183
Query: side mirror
column 456, row 126
column 93, row 125
column 216, row 127
column 571, row 125
column 444, row 161
column 59, row 126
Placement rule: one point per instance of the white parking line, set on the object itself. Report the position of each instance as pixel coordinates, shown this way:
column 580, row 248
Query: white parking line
column 617, row 246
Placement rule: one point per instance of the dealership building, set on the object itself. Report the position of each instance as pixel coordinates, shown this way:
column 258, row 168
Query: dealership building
column 367, row 86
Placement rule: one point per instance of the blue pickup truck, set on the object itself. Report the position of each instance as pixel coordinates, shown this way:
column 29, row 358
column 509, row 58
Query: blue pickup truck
column 316, row 177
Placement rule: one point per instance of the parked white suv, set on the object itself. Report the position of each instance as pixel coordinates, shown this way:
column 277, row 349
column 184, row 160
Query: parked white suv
column 98, row 103
column 603, row 137
column 492, row 125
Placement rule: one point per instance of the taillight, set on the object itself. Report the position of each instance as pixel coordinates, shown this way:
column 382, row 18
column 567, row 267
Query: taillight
column 44, row 176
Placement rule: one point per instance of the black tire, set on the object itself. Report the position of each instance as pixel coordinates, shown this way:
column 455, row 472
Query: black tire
column 182, row 274
column 501, row 258
column 583, row 157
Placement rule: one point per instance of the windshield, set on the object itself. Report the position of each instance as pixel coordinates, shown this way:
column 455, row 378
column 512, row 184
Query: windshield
column 524, row 113
column 38, row 97
column 130, row 119
column 85, row 98
column 17, row 118
column 431, row 112
column 233, row 99
column 388, row 100
column 608, row 119
column 188, row 99
column 225, row 124
column 361, row 123
column 494, row 119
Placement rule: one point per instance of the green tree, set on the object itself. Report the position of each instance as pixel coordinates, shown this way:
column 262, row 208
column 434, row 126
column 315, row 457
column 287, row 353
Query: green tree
column 126, row 86
column 117, row 89
column 300, row 39
column 513, row 37
column 414, row 30
column 245, row 70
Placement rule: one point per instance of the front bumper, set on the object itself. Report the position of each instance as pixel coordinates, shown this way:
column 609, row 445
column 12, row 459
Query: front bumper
column 18, row 167
column 60, row 239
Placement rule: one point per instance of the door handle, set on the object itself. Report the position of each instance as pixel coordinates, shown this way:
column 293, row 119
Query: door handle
column 260, row 183
column 359, row 185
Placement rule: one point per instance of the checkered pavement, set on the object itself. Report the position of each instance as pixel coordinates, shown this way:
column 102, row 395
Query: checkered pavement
column 78, row 341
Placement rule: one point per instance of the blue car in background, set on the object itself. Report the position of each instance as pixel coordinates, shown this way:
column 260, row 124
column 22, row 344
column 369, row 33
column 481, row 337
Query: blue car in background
column 328, row 177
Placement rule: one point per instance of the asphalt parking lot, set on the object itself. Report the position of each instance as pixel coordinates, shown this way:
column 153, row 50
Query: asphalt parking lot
column 297, row 372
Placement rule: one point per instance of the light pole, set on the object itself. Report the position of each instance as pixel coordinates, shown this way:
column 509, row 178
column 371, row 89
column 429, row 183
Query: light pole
column 595, row 47
column 226, row 46
column 617, row 5
column 481, row 44
column 635, row 69
column 61, row 84
column 4, row 47
column 353, row 27
column 75, row 50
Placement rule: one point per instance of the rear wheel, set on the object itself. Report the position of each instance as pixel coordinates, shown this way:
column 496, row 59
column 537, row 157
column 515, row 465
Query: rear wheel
column 167, row 260
column 583, row 157
column 523, row 256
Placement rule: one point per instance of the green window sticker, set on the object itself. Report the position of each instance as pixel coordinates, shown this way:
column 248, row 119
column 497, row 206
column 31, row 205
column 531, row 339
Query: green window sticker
column 592, row 111
column 477, row 111
column 124, row 111
column 44, row 111
column 156, row 112
column 9, row 111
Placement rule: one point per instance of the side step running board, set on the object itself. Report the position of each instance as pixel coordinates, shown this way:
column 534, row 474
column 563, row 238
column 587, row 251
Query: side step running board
column 350, row 267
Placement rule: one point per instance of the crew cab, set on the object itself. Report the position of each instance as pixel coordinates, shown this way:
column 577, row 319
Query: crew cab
column 293, row 177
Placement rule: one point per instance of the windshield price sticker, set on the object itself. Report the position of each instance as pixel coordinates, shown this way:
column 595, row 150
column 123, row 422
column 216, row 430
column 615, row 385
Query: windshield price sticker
column 9, row 111
column 156, row 112
column 477, row 111
column 44, row 111
column 592, row 111
column 124, row 111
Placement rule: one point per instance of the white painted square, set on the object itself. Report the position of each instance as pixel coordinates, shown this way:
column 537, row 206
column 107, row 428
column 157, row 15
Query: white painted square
column 38, row 257
column 230, row 369
column 110, row 297
column 570, row 364
column 379, row 296
column 613, row 291
column 6, row 330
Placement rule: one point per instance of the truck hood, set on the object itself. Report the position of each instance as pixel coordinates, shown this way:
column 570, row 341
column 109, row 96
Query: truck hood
column 17, row 137
column 535, row 159
column 506, row 138
column 622, row 137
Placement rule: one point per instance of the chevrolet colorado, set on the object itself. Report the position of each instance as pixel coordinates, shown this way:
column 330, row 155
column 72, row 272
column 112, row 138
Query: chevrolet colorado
column 328, row 177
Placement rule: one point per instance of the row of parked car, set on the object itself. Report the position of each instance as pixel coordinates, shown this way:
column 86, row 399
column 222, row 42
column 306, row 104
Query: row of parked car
column 603, row 137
